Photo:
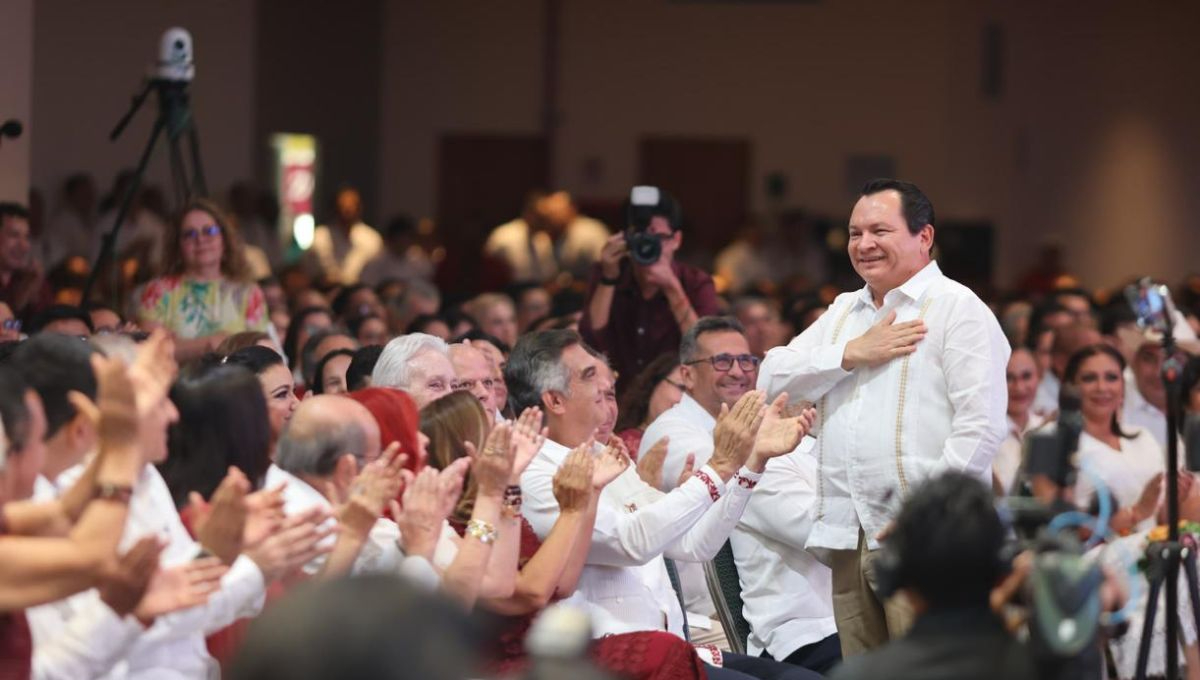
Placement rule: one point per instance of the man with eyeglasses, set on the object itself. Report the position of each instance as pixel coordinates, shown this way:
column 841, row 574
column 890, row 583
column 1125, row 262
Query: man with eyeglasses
column 787, row 591
column 473, row 373
column 909, row 377
column 635, row 312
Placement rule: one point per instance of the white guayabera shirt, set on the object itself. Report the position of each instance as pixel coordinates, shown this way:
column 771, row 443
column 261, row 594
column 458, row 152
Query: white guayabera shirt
column 883, row 429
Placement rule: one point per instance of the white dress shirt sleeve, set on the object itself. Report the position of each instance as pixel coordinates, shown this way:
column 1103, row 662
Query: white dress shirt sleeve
column 242, row 593
column 87, row 645
column 783, row 503
column 683, row 440
column 975, row 356
column 702, row 542
column 807, row 367
column 634, row 523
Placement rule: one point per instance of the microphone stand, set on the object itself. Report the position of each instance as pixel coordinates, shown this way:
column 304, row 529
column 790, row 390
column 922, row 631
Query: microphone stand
column 1165, row 558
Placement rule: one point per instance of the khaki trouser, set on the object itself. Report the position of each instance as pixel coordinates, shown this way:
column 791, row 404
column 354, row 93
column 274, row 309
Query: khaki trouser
column 863, row 622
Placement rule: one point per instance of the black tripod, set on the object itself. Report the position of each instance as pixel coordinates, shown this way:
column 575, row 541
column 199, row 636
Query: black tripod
column 187, row 174
column 1165, row 558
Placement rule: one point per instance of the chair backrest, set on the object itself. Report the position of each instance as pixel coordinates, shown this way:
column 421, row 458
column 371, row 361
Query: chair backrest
column 725, row 588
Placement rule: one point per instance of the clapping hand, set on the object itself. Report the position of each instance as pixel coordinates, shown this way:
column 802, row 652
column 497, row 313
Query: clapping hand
column 220, row 525
column 428, row 500
column 735, row 433
column 528, row 435
column 492, row 467
column 609, row 463
column 779, row 434
column 573, row 482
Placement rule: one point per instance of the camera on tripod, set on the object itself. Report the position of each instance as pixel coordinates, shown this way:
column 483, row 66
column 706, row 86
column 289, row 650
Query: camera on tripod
column 645, row 203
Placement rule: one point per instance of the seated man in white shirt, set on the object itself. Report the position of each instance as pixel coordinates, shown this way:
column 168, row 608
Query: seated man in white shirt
column 328, row 441
column 174, row 646
column 417, row 363
column 787, row 593
column 625, row 583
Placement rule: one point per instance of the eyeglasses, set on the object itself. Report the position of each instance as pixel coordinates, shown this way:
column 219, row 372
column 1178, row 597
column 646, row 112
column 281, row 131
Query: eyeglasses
column 724, row 362
column 11, row 325
column 210, row 231
column 679, row 386
column 468, row 385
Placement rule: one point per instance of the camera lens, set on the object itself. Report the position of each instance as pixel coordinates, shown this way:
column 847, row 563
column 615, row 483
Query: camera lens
column 644, row 249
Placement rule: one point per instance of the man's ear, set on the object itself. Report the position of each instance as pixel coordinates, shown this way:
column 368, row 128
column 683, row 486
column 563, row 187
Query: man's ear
column 926, row 236
column 687, row 375
column 345, row 471
column 554, row 402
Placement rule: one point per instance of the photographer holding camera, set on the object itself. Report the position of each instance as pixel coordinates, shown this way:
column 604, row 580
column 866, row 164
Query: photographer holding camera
column 640, row 300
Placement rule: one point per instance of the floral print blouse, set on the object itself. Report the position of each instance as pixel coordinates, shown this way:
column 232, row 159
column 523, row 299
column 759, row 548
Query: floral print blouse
column 195, row 309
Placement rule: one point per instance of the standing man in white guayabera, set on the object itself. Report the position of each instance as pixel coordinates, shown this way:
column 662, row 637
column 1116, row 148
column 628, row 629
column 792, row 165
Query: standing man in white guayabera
column 908, row 377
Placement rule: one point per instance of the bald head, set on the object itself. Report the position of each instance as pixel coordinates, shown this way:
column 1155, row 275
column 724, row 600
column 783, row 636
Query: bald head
column 323, row 429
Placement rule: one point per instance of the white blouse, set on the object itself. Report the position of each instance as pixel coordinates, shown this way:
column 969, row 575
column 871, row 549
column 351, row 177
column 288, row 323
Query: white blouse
column 1125, row 471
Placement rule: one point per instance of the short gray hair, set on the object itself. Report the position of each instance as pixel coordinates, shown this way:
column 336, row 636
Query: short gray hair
column 393, row 367
column 536, row 367
column 689, row 346
column 314, row 448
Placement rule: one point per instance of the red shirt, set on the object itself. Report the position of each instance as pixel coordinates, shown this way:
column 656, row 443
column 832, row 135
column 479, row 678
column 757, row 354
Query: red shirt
column 639, row 330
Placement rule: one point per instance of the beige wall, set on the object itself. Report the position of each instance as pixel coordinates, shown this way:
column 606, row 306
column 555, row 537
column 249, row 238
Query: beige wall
column 1092, row 141
column 90, row 58
column 16, row 95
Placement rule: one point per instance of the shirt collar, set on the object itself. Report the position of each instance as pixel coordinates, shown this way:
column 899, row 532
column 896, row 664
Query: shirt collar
column 913, row 288
column 691, row 411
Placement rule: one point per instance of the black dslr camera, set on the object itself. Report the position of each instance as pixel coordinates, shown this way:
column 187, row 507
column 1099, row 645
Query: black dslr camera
column 645, row 203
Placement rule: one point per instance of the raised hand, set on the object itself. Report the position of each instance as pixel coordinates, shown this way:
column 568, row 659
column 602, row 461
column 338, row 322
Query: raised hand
column 779, row 434
column 115, row 412
column 379, row 481
column 297, row 542
column 424, row 509
column 124, row 582
column 689, row 467
column 883, row 342
column 220, row 526
column 153, row 370
column 182, row 587
column 650, row 463
column 734, row 435
column 528, row 435
column 264, row 514
column 450, row 485
column 492, row 467
column 609, row 464
column 573, row 481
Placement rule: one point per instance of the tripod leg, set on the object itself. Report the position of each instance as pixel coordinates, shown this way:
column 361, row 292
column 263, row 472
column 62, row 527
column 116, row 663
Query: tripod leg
column 108, row 247
column 199, row 186
column 1189, row 566
column 178, row 173
column 1148, row 628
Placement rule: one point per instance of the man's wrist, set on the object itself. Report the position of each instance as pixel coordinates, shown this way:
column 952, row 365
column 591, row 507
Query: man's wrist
column 724, row 469
column 848, row 359
column 756, row 463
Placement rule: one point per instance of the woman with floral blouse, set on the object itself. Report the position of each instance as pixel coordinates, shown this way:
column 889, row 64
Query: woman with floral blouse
column 205, row 292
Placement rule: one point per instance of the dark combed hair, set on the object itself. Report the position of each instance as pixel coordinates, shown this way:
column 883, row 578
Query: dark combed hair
column 13, row 411
column 9, row 209
column 636, row 401
column 55, row 365
column 947, row 541
column 255, row 358
column 534, row 364
column 341, row 301
column 318, row 384
column 222, row 423
column 914, row 204
column 59, row 313
column 690, row 342
column 358, row 373
column 1071, row 372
